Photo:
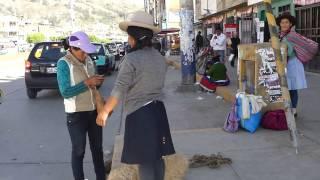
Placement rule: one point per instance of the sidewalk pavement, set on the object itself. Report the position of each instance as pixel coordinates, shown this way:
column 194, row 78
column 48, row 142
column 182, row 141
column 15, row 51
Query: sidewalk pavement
column 196, row 120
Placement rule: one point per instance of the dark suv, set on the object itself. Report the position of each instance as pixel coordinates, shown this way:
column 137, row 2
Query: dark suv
column 41, row 67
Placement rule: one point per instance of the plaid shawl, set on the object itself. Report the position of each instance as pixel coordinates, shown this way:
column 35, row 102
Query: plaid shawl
column 304, row 48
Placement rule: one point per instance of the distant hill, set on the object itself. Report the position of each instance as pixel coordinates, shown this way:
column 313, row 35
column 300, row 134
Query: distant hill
column 57, row 12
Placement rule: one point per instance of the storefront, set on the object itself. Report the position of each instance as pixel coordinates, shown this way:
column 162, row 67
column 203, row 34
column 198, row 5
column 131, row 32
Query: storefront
column 308, row 24
column 240, row 14
column 210, row 23
column 247, row 24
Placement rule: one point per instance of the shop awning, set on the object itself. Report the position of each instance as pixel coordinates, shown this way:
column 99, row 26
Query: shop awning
column 168, row 31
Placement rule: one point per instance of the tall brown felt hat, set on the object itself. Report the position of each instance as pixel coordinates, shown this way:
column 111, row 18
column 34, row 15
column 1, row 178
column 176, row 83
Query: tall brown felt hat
column 139, row 19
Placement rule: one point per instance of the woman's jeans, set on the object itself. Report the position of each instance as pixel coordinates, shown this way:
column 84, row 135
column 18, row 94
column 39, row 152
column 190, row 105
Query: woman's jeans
column 152, row 171
column 79, row 124
column 294, row 98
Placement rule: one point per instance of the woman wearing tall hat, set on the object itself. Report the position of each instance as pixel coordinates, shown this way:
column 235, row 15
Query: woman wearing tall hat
column 139, row 83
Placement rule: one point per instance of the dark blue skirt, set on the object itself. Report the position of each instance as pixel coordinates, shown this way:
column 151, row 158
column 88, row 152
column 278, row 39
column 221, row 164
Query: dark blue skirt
column 147, row 135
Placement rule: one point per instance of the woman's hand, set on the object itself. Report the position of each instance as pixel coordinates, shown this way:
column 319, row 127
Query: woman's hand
column 94, row 81
column 107, row 110
column 102, row 118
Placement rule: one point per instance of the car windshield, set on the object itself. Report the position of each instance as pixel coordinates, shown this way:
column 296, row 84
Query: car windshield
column 111, row 49
column 50, row 51
column 99, row 49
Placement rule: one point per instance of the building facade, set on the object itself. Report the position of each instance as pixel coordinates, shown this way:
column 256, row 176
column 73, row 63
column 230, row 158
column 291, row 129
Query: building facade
column 9, row 28
column 231, row 13
column 308, row 24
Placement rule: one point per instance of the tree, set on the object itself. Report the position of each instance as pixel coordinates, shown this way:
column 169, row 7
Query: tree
column 54, row 20
column 57, row 38
column 94, row 38
column 35, row 38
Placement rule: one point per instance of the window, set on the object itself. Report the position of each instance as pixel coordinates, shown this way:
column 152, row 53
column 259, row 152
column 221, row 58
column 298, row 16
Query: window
column 308, row 24
column 248, row 33
column 283, row 9
column 263, row 15
column 12, row 34
column 12, row 23
column 49, row 52
column 99, row 49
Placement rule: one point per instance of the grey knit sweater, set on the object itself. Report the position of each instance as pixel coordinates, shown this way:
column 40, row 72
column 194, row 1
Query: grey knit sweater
column 140, row 79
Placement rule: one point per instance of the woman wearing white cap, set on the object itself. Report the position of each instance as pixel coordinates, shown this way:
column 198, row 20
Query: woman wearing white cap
column 76, row 78
column 140, row 82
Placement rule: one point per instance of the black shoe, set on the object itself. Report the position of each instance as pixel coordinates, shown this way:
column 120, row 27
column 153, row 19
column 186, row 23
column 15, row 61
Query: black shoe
column 295, row 115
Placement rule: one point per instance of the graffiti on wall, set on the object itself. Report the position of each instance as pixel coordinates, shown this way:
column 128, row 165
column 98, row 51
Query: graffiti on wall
column 268, row 76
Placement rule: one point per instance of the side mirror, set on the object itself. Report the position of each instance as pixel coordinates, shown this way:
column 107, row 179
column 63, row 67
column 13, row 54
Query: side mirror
column 93, row 57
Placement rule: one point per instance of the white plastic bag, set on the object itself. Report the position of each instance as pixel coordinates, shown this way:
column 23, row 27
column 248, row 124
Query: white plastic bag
column 231, row 57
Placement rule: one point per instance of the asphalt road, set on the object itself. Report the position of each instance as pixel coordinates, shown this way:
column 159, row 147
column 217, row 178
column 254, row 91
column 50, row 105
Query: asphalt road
column 34, row 141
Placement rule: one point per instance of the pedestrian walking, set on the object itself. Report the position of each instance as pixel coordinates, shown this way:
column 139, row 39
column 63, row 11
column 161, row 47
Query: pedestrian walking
column 235, row 41
column 199, row 42
column 76, row 79
column 296, row 77
column 140, row 81
column 218, row 43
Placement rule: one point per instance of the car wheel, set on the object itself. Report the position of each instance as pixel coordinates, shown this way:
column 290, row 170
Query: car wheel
column 32, row 93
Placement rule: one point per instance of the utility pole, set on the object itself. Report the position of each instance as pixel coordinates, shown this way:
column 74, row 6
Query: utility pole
column 146, row 5
column 275, row 43
column 188, row 67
